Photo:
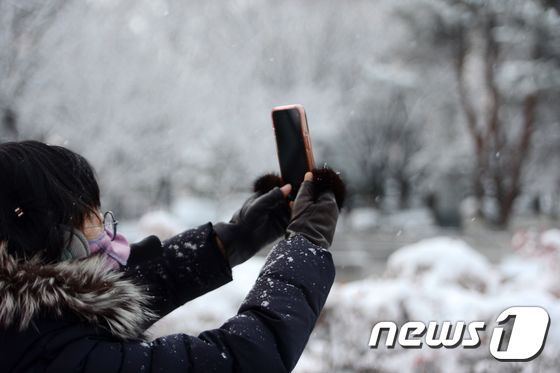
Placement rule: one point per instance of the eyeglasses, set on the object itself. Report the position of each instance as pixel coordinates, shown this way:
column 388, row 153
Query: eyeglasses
column 109, row 224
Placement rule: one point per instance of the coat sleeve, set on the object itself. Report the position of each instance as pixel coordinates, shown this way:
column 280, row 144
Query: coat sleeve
column 268, row 334
column 182, row 268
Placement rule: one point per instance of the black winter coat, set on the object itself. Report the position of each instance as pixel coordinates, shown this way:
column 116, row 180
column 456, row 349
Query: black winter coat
column 79, row 316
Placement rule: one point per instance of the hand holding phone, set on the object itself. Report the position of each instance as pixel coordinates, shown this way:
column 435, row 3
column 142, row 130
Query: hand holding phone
column 293, row 144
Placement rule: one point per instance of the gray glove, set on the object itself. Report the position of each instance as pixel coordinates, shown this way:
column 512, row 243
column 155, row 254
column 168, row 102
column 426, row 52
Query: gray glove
column 314, row 219
column 261, row 220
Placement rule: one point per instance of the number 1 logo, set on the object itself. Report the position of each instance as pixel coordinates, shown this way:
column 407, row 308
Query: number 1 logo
column 528, row 334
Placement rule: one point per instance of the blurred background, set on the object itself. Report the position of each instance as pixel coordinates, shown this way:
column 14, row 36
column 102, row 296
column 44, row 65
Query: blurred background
column 441, row 115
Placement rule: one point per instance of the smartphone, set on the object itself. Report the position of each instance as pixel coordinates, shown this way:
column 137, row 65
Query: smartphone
column 293, row 144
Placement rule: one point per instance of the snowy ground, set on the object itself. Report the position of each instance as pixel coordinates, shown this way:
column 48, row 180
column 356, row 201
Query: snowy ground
column 443, row 278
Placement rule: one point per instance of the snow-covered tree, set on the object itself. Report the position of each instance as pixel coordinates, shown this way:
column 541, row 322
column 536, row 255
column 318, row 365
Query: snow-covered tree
column 506, row 61
column 22, row 26
column 377, row 149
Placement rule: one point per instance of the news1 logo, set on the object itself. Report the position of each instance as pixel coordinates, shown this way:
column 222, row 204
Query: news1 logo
column 523, row 340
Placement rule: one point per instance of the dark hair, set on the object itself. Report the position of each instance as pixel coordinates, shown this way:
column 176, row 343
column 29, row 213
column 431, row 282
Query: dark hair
column 44, row 189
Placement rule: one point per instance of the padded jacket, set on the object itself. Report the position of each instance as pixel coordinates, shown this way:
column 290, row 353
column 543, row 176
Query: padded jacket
column 81, row 316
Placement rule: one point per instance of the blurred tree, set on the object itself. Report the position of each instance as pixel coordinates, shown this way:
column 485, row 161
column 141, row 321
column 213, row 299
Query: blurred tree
column 9, row 124
column 505, row 58
column 22, row 26
column 376, row 147
column 554, row 4
column 545, row 158
column 152, row 89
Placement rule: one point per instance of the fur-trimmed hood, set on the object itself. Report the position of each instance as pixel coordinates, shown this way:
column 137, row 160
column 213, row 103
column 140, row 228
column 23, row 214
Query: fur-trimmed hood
column 87, row 288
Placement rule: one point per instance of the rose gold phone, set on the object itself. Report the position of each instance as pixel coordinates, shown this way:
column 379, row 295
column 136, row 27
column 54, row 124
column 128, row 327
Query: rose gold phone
column 293, row 144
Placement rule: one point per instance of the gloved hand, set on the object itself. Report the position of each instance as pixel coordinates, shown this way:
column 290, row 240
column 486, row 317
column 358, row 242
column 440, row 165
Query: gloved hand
column 314, row 219
column 262, row 219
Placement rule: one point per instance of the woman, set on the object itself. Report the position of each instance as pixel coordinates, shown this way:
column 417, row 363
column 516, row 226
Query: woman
column 74, row 296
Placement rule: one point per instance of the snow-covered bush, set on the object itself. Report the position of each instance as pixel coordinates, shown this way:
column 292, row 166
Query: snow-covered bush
column 438, row 279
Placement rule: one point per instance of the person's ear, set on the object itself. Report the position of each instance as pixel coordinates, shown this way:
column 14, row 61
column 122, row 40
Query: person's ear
column 75, row 245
